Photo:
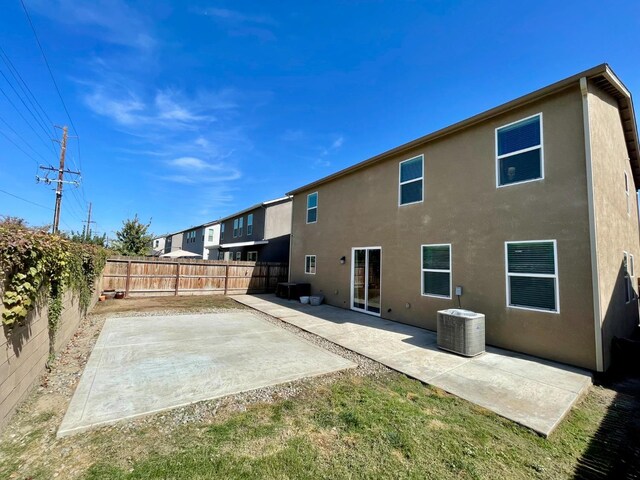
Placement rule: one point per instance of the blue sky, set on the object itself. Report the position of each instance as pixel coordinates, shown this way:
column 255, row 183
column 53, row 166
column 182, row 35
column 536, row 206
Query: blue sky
column 189, row 111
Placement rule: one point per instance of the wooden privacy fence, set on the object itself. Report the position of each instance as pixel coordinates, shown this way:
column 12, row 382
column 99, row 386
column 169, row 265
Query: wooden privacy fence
column 142, row 276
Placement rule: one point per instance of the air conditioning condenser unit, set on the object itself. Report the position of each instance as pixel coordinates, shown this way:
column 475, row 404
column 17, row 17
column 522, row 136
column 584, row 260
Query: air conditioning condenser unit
column 461, row 331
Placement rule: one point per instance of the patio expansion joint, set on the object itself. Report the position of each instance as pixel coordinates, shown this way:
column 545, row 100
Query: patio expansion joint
column 93, row 379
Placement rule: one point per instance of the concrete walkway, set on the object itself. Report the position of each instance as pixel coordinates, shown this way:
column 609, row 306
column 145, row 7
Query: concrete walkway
column 530, row 391
column 142, row 365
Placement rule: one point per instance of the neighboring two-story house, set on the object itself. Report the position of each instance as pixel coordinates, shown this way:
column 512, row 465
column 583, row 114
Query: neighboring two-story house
column 259, row 233
column 527, row 213
column 157, row 245
column 211, row 240
column 173, row 242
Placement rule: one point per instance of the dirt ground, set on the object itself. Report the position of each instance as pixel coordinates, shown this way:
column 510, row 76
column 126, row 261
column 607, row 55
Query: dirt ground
column 158, row 304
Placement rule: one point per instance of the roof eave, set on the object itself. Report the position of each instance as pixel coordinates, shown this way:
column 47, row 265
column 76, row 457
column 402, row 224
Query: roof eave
column 602, row 69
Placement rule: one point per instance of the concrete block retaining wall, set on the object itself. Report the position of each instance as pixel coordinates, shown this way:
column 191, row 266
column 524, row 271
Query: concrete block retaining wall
column 25, row 349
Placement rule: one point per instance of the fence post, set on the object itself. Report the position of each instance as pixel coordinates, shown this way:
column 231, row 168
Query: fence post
column 177, row 279
column 268, row 285
column 226, row 277
column 127, row 282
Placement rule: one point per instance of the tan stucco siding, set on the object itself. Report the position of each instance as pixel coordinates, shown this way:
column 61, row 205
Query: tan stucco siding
column 277, row 220
column 463, row 207
column 616, row 230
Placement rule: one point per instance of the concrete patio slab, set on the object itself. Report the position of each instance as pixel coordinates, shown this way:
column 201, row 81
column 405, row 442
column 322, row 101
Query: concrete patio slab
column 142, row 365
column 530, row 391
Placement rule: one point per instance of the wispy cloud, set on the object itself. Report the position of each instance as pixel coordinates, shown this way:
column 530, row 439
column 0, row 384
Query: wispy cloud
column 240, row 24
column 112, row 21
column 195, row 171
column 319, row 147
column 336, row 144
column 168, row 108
column 236, row 16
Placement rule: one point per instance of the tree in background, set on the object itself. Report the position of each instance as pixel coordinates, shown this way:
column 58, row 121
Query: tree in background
column 133, row 238
column 91, row 239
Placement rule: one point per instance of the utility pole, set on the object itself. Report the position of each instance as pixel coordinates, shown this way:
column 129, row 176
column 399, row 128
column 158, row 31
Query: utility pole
column 87, row 230
column 60, row 181
column 63, row 151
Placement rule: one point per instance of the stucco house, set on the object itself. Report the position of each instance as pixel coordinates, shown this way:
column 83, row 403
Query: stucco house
column 211, row 240
column 157, row 245
column 526, row 212
column 259, row 233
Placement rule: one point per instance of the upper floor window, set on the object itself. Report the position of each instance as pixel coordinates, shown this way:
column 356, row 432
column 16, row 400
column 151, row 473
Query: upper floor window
column 221, row 231
column 235, row 227
column 250, row 224
column 532, row 275
column 312, row 207
column 626, row 191
column 210, row 235
column 157, row 243
column 411, row 180
column 240, row 226
column 519, row 151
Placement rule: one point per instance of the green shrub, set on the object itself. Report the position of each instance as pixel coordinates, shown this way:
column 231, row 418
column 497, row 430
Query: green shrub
column 34, row 262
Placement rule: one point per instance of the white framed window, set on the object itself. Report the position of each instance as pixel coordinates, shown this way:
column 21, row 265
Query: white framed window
column 519, row 152
column 310, row 264
column 532, row 275
column 628, row 268
column 235, row 227
column 252, row 256
column 220, row 255
column 221, row 231
column 210, row 235
column 626, row 191
column 436, row 270
column 250, row 224
column 240, row 226
column 312, row 207
column 411, row 181
column 238, row 255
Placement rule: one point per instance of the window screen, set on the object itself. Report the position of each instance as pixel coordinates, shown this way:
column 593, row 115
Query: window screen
column 532, row 275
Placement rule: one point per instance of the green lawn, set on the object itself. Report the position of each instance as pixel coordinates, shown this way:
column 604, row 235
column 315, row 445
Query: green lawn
column 390, row 427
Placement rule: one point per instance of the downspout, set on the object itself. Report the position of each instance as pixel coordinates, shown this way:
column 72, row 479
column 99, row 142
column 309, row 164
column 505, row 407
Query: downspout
column 290, row 241
column 597, row 313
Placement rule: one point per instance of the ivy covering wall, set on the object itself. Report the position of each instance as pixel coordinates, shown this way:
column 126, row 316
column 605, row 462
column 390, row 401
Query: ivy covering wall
column 36, row 266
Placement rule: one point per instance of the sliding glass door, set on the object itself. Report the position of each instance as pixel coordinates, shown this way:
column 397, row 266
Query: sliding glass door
column 365, row 279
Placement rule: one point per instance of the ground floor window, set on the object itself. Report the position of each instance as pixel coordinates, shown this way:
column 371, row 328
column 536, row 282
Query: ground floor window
column 532, row 275
column 310, row 264
column 238, row 255
column 220, row 255
column 252, row 256
column 628, row 270
column 436, row 270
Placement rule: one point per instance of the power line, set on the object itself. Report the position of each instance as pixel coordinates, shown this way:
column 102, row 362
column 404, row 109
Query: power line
column 24, row 7
column 18, row 146
column 21, row 83
column 55, row 84
column 38, row 122
column 23, row 139
column 25, row 200
column 23, row 117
